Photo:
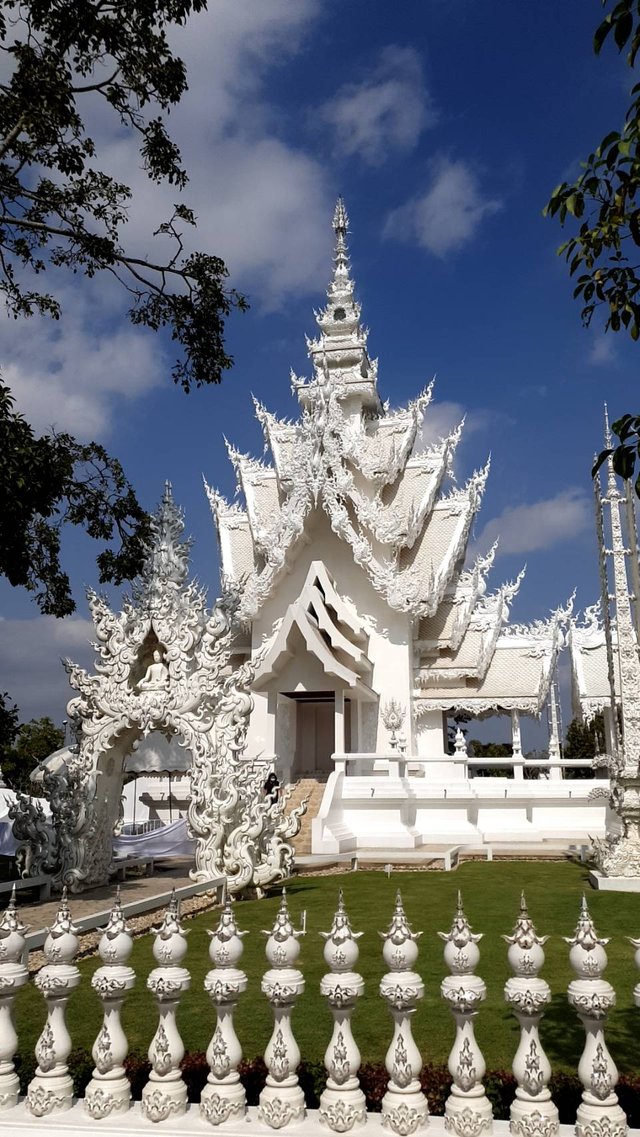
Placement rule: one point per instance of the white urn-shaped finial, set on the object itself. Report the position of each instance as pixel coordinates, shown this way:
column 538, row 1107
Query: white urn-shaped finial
column 225, row 943
column 62, row 943
column 587, row 956
column 400, row 948
column 282, row 948
column 340, row 947
column 170, row 945
column 12, row 933
column 525, row 954
column 461, row 953
column 116, row 944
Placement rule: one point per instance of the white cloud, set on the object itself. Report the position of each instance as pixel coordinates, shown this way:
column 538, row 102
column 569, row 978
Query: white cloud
column 30, row 667
column 447, row 215
column 441, row 418
column 384, row 114
column 74, row 373
column 539, row 525
column 602, row 350
column 262, row 205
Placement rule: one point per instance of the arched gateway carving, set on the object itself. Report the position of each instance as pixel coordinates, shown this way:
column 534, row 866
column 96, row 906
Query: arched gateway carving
column 165, row 663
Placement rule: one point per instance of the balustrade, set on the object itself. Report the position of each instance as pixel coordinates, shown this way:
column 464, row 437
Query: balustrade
column 404, row 1109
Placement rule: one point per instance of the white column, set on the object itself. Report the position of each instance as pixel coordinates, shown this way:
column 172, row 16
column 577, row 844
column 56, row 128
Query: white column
column 282, row 1099
column 109, row 1088
column 516, row 746
column 338, row 744
column 13, row 975
column 592, row 997
column 51, row 1089
column 404, row 1106
column 342, row 1102
column 555, row 772
column 165, row 1094
column 467, row 1109
column 532, row 1112
column 223, row 1096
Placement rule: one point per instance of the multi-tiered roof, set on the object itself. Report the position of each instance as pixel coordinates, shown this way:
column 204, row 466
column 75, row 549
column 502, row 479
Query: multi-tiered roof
column 390, row 499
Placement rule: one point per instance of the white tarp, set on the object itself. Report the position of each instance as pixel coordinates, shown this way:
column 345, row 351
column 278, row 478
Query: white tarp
column 168, row 841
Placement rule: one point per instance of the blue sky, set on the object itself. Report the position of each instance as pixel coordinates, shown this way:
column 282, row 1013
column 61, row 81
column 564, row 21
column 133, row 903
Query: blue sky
column 445, row 124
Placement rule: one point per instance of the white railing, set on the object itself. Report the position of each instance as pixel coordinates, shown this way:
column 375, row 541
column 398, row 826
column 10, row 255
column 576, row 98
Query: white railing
column 397, row 764
column 468, row 1112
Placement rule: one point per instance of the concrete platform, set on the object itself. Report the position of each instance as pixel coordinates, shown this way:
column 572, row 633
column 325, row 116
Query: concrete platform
column 604, row 883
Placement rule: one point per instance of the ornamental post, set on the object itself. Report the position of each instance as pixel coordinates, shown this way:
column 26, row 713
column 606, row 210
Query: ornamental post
column 342, row 1102
column 13, row 975
column 592, row 997
column 51, row 1088
column 468, row 1110
column 404, row 1106
column 223, row 1096
column 109, row 1090
column 533, row 1114
column 282, row 1099
column 165, row 1094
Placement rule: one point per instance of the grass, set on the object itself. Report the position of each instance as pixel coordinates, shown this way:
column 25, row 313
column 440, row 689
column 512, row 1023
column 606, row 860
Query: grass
column 491, row 895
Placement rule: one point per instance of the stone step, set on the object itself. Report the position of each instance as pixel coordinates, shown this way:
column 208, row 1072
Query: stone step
column 314, row 791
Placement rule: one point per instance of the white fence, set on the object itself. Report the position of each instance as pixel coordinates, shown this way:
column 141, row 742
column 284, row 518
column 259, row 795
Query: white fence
column 107, row 1101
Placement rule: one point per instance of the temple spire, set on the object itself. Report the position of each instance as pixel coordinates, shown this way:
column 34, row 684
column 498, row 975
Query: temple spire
column 340, row 228
column 339, row 354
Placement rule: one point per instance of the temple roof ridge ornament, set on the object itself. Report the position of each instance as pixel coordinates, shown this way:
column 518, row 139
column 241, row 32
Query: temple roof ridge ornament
column 166, row 564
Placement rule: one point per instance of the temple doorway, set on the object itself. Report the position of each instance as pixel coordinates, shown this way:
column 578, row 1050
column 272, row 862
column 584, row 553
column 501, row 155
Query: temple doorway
column 315, row 733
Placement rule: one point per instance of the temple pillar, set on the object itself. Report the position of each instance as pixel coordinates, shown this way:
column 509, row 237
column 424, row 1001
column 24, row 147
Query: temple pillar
column 339, row 742
column 554, row 735
column 610, row 738
column 516, row 746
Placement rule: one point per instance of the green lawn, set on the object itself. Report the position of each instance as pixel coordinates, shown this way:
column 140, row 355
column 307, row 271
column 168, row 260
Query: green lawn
column 491, row 895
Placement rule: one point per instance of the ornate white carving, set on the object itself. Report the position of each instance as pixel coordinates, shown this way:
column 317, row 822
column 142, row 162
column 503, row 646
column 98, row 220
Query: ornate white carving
column 528, row 995
column 342, row 1103
column 166, row 1093
column 282, row 1099
column 592, row 997
column 404, row 1106
column 224, row 1096
column 109, row 1087
column 13, row 975
column 467, row 1109
column 163, row 664
column 51, row 1088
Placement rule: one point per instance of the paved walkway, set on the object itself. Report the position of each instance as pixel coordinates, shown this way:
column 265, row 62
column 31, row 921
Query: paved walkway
column 175, row 874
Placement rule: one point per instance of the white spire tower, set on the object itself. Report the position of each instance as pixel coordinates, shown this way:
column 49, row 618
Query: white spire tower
column 618, row 855
column 339, row 355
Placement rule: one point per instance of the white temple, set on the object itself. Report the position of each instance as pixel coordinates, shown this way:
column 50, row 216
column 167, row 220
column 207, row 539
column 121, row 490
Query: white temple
column 364, row 625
